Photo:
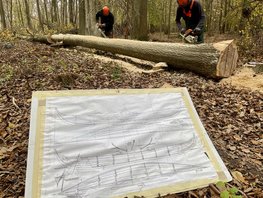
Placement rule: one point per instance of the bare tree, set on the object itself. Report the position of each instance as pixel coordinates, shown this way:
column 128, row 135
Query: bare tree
column 209, row 13
column 2, row 13
column 28, row 18
column 139, row 23
column 64, row 12
column 11, row 14
column 71, row 9
column 90, row 16
column 46, row 13
column 169, row 17
column 41, row 25
column 82, row 18
column 54, row 11
column 20, row 12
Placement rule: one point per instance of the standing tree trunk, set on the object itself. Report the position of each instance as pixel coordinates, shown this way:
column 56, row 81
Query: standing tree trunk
column 127, row 23
column 209, row 13
column 46, row 13
column 11, row 14
column 139, row 23
column 55, row 11
column 165, row 17
column 169, row 18
column 76, row 11
column 28, row 18
column 70, row 7
column 90, row 17
column 143, row 20
column 246, row 10
column 41, row 25
column 82, row 18
column 20, row 13
column 64, row 12
column 2, row 13
column 221, row 17
column 225, row 15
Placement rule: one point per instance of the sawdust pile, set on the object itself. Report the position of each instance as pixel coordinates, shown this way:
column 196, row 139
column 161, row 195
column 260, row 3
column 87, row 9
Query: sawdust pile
column 246, row 78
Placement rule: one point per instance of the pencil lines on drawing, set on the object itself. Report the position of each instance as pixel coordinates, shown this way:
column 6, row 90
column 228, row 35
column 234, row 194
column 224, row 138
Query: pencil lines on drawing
column 138, row 174
column 123, row 156
column 130, row 146
column 121, row 117
column 108, row 130
column 132, row 167
column 132, row 152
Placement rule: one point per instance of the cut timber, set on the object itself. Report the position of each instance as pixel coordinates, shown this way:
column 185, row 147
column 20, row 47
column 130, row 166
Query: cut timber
column 216, row 60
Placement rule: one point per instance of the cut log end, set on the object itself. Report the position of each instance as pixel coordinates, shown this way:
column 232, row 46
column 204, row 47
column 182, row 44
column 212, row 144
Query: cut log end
column 228, row 58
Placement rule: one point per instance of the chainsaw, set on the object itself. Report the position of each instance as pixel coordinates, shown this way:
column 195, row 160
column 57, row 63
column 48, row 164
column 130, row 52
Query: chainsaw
column 101, row 31
column 188, row 38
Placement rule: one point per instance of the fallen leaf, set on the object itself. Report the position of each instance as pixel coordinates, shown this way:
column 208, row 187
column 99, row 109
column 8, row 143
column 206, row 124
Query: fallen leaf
column 237, row 138
column 245, row 150
column 248, row 190
column 11, row 125
column 238, row 176
column 167, row 85
column 232, row 148
column 255, row 142
column 257, row 162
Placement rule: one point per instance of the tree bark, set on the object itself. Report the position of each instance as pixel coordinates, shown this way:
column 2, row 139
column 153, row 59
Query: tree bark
column 71, row 7
column 46, row 13
column 139, row 22
column 28, row 18
column 169, row 18
column 20, row 13
column 54, row 11
column 90, row 17
column 82, row 17
column 41, row 25
column 216, row 60
column 3, row 21
column 11, row 14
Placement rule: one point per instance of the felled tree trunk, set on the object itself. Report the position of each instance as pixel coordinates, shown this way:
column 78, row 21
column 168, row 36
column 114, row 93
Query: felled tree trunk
column 216, row 60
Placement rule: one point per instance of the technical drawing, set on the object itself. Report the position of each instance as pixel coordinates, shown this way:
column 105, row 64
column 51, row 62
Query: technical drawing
column 106, row 146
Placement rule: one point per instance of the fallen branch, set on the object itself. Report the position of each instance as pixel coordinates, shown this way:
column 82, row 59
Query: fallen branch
column 14, row 103
column 243, row 194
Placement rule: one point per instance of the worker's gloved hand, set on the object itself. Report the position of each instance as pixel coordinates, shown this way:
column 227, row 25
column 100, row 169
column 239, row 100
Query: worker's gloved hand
column 99, row 25
column 197, row 31
column 182, row 31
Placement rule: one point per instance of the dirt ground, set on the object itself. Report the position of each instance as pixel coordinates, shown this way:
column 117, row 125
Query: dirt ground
column 231, row 114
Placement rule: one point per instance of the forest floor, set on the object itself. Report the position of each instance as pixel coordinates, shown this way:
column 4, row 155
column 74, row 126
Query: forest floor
column 232, row 115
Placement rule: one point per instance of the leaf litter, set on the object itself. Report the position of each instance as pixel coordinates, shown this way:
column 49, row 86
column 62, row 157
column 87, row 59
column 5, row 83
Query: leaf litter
column 232, row 116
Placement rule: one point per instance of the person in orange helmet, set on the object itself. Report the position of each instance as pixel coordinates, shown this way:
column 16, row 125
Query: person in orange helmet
column 105, row 21
column 192, row 13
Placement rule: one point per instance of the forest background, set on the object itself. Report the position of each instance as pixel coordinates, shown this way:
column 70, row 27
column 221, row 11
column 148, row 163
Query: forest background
column 136, row 19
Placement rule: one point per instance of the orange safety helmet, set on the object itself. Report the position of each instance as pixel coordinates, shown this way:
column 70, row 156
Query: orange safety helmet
column 183, row 2
column 106, row 10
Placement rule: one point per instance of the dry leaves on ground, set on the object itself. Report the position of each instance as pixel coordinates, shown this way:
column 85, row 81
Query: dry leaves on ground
column 232, row 117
